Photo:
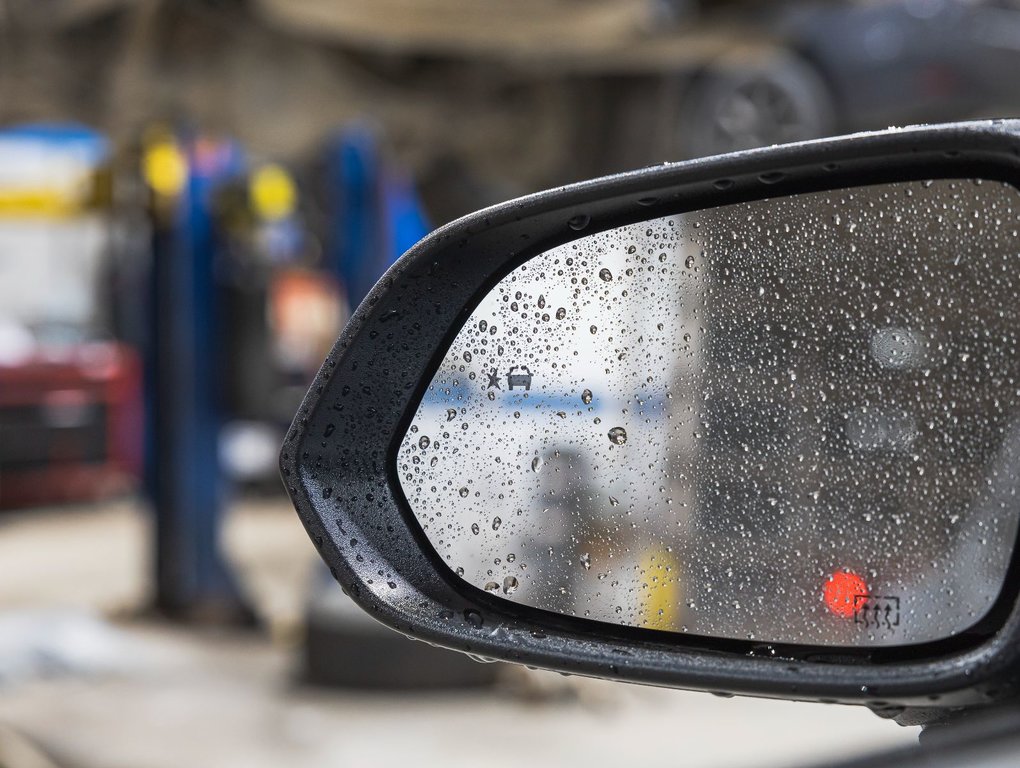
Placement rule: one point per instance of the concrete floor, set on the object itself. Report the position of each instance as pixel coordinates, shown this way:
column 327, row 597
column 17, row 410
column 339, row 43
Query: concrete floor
column 175, row 698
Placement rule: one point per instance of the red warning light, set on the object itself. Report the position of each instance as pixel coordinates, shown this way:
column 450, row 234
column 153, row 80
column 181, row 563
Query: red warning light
column 840, row 591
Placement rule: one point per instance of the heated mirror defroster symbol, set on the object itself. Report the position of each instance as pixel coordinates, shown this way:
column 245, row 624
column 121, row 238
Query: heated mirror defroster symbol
column 519, row 379
column 876, row 612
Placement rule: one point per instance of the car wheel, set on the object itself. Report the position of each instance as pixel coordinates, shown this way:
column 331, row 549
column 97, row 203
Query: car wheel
column 746, row 103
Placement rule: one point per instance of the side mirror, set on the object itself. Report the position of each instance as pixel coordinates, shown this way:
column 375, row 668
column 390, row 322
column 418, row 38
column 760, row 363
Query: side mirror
column 748, row 424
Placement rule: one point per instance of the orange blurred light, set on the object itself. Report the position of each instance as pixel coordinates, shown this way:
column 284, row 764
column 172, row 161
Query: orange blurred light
column 840, row 592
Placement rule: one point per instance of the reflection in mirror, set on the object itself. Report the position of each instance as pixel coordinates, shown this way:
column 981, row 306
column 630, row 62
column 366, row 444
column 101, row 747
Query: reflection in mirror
column 791, row 421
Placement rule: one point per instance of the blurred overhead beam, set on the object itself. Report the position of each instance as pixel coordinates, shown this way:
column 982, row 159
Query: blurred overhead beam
column 463, row 26
column 611, row 36
column 608, row 36
column 57, row 14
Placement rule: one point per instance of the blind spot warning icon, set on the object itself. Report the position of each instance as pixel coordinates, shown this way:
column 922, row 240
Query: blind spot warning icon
column 519, row 379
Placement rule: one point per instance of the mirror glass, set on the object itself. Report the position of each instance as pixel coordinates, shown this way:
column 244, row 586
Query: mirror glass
column 793, row 420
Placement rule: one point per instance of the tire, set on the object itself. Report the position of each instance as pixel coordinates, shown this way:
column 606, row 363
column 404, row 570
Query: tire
column 745, row 103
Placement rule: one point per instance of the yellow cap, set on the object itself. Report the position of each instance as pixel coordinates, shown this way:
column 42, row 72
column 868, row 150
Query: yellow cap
column 272, row 192
column 165, row 168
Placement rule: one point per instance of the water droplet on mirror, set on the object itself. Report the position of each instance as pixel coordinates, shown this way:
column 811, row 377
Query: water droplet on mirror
column 536, row 464
column 496, row 522
column 491, row 586
column 586, row 397
column 451, row 414
column 689, row 262
column 586, row 561
column 423, row 442
column 579, row 222
column 510, row 585
column 605, row 274
column 475, row 529
column 614, row 502
column 561, row 313
column 618, row 435
column 463, row 493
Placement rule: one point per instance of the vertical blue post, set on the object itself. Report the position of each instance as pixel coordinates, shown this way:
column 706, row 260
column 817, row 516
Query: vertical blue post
column 375, row 214
column 184, row 477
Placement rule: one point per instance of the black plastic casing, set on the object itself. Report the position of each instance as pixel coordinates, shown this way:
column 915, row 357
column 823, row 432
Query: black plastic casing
column 339, row 458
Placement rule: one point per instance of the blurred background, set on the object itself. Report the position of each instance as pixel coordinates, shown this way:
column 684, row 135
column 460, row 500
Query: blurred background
column 193, row 196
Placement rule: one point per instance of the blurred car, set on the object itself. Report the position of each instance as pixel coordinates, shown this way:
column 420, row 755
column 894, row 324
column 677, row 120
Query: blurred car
column 70, row 399
column 70, row 419
column 654, row 80
column 842, row 66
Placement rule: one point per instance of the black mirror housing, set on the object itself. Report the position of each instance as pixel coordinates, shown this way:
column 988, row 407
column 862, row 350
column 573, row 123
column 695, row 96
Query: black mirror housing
column 339, row 463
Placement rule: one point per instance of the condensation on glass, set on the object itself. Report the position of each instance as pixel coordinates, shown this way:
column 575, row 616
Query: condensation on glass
column 789, row 421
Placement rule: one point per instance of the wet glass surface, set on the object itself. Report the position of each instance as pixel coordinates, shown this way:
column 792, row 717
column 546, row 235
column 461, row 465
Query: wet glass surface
column 792, row 421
